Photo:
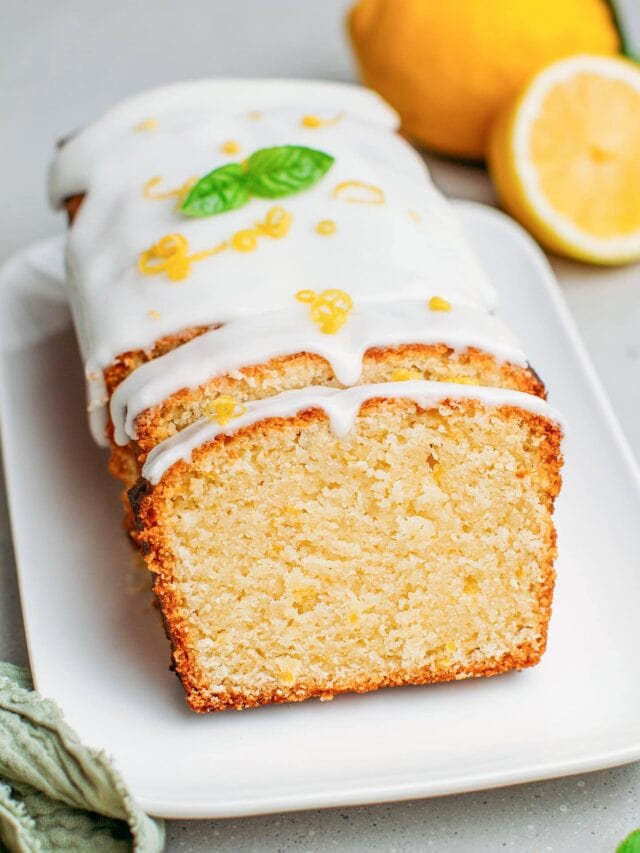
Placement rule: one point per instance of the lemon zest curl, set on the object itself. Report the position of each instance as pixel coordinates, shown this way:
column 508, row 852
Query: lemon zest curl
column 224, row 409
column 147, row 124
column 180, row 192
column 438, row 303
column 170, row 254
column 230, row 147
column 326, row 227
column 313, row 122
column 329, row 309
column 357, row 192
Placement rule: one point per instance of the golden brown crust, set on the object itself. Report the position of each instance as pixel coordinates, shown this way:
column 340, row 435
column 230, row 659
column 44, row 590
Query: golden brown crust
column 199, row 698
column 127, row 362
column 146, row 501
column 123, row 466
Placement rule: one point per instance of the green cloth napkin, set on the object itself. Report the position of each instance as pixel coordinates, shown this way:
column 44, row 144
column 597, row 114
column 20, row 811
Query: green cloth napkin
column 55, row 794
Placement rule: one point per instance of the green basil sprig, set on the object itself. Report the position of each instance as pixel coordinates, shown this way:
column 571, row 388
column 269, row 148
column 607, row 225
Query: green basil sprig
column 631, row 843
column 268, row 173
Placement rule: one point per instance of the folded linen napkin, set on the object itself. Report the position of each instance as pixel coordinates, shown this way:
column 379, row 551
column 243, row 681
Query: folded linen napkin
column 55, row 793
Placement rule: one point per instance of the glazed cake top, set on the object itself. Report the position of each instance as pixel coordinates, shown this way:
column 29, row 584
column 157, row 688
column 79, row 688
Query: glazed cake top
column 389, row 236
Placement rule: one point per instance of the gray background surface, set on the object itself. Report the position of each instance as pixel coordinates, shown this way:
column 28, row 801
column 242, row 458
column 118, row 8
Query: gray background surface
column 65, row 61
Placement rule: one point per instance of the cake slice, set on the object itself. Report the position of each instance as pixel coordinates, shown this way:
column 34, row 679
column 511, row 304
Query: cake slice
column 353, row 539
column 336, row 459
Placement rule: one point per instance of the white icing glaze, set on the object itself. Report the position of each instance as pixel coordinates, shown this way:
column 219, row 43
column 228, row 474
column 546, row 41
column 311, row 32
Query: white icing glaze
column 408, row 248
column 187, row 103
column 341, row 407
column 256, row 339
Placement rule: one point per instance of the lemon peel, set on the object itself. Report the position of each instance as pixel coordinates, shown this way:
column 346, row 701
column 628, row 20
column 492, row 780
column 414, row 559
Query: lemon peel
column 329, row 309
column 170, row 255
column 224, row 409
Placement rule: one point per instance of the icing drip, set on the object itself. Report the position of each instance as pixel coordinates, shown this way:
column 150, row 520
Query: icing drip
column 340, row 406
column 253, row 340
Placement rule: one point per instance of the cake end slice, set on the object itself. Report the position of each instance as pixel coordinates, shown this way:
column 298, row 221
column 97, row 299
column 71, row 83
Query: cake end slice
column 419, row 547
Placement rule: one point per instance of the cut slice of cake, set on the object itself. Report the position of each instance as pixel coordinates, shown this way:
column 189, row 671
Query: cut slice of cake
column 341, row 465
column 345, row 540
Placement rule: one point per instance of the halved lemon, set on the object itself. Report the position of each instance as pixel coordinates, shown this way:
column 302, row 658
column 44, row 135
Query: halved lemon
column 565, row 158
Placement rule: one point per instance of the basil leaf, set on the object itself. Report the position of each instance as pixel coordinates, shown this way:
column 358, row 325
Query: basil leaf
column 268, row 173
column 221, row 190
column 631, row 844
column 285, row 169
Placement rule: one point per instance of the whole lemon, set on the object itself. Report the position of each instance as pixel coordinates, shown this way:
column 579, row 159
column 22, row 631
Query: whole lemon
column 448, row 66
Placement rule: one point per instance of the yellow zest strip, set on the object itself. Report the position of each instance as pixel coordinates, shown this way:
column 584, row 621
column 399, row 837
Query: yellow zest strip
column 245, row 240
column 255, row 115
column 313, row 122
column 180, row 192
column 230, row 147
column 402, row 374
column 171, row 253
column 155, row 315
column 415, row 216
column 365, row 193
column 224, row 408
column 437, row 303
column 147, row 124
column 326, row 226
column 329, row 309
column 208, row 253
column 167, row 255
column 171, row 256
column 276, row 223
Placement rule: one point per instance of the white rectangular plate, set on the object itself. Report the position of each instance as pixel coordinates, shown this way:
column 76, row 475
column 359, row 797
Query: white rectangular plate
column 97, row 645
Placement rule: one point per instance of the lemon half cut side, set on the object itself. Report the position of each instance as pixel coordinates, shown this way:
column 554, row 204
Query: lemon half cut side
column 565, row 158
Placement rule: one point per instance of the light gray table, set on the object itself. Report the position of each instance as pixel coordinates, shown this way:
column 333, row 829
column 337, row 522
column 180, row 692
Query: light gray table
column 63, row 62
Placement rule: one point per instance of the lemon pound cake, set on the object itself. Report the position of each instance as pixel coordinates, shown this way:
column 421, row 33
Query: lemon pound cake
column 336, row 460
